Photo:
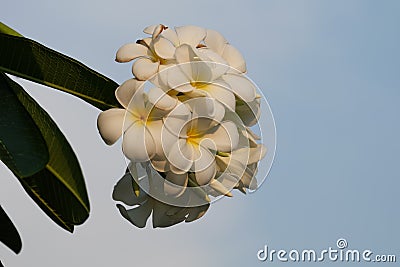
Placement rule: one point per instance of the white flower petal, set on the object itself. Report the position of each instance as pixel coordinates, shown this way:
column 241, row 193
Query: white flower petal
column 180, row 156
column 202, row 107
column 201, row 72
column 215, row 41
column 191, row 35
column 131, row 51
column 226, row 137
column 176, row 78
column 175, row 184
column 235, row 164
column 175, row 121
column 221, row 93
column 144, row 68
column 203, row 158
column 184, row 54
column 150, row 29
column 257, row 153
column 234, row 58
column 171, row 35
column 146, row 41
column 204, row 167
column 195, row 94
column 161, row 100
column 138, row 144
column 206, row 107
column 164, row 48
column 240, row 155
column 168, row 139
column 157, row 30
column 241, row 86
column 110, row 123
column 190, row 63
column 127, row 90
column 186, row 88
column 219, row 187
column 215, row 62
column 155, row 128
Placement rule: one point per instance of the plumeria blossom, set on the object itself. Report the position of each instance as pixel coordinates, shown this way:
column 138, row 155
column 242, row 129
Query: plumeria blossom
column 139, row 122
column 189, row 135
column 199, row 75
column 154, row 53
column 216, row 42
column 192, row 143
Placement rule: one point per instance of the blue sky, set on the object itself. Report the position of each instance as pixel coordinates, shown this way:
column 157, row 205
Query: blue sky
column 330, row 72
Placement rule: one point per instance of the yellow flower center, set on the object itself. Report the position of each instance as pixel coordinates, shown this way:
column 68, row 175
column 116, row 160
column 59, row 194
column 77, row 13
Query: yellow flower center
column 198, row 84
column 194, row 136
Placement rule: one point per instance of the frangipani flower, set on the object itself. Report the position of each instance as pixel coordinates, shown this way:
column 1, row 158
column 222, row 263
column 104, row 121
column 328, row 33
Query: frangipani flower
column 240, row 163
column 191, row 135
column 198, row 75
column 148, row 59
column 216, row 42
column 139, row 121
column 154, row 53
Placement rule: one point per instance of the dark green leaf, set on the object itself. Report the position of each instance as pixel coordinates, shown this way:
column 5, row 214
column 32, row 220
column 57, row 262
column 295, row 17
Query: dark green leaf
column 8, row 233
column 22, row 147
column 28, row 59
column 59, row 189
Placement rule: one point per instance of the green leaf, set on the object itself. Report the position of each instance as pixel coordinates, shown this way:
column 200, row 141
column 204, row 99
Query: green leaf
column 8, row 233
column 5, row 29
column 31, row 60
column 22, row 147
column 59, row 189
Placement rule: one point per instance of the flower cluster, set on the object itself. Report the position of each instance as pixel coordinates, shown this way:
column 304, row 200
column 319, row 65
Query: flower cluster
column 190, row 133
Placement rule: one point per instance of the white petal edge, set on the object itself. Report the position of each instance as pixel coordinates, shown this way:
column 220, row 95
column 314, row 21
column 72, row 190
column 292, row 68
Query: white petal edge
column 221, row 93
column 110, row 123
column 164, row 48
column 180, row 156
column 144, row 68
column 161, row 100
column 234, row 58
column 241, row 86
column 226, row 137
column 215, row 41
column 131, row 51
column 138, row 143
column 191, row 35
column 204, row 175
column 150, row 29
column 127, row 90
